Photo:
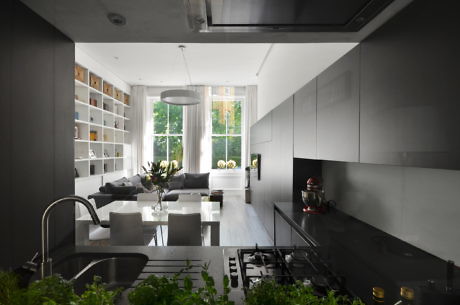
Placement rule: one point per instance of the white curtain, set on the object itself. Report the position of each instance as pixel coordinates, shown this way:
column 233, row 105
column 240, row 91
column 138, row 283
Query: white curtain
column 250, row 117
column 142, row 126
column 197, row 122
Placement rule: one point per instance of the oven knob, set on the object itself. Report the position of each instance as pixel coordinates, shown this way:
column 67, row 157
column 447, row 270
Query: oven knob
column 234, row 279
column 233, row 269
column 231, row 259
column 232, row 264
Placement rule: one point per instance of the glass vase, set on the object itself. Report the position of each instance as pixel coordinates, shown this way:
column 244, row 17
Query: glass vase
column 160, row 192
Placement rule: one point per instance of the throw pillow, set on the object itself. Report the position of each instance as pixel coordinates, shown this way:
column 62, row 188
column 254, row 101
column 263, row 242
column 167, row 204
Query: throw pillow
column 118, row 182
column 176, row 182
column 194, row 181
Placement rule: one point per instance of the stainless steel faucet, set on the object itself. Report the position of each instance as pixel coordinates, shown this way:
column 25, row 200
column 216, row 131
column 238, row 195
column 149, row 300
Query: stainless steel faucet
column 46, row 263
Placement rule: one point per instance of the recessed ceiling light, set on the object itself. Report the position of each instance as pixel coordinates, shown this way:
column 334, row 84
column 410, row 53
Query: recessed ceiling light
column 116, row 19
column 116, row 57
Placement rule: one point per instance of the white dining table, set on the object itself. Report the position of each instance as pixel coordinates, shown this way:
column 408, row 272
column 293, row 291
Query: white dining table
column 209, row 210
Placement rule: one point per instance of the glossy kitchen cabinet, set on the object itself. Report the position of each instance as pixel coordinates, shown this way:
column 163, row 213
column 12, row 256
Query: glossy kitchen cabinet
column 273, row 140
column 410, row 93
column 282, row 231
column 338, row 110
column 305, row 121
column 297, row 240
column 280, row 166
column 261, row 131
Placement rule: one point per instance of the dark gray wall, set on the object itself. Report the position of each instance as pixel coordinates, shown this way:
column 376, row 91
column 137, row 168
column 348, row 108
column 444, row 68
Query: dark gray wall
column 36, row 81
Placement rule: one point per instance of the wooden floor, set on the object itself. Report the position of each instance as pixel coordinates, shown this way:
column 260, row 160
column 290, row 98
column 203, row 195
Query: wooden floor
column 239, row 225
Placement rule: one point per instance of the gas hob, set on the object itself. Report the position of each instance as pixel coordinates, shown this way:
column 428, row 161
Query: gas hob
column 285, row 265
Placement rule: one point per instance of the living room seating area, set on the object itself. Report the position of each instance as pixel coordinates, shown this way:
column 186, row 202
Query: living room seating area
column 128, row 188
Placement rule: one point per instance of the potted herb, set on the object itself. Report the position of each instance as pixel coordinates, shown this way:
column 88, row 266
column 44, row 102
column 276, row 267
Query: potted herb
column 268, row 292
column 53, row 290
column 163, row 290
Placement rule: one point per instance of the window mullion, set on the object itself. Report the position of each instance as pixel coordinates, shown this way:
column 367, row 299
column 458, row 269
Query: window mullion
column 167, row 137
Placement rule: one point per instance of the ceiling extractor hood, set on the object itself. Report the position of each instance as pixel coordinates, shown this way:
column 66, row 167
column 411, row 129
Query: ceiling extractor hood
column 282, row 15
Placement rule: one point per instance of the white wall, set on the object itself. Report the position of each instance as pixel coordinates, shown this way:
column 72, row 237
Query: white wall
column 417, row 205
column 289, row 67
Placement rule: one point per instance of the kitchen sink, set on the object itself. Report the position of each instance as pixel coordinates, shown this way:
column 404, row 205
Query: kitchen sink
column 116, row 270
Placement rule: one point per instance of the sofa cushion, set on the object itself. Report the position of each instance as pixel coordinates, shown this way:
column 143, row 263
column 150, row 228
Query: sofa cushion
column 136, row 180
column 176, row 182
column 118, row 182
column 193, row 181
column 120, row 186
column 173, row 195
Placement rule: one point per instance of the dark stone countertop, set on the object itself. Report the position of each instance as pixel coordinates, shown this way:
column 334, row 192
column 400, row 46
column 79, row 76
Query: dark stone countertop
column 365, row 255
column 157, row 256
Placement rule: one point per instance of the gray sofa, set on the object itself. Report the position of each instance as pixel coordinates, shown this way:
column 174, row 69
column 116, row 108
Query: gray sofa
column 128, row 188
column 186, row 184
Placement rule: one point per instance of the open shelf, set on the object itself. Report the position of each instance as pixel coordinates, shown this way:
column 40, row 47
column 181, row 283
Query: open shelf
column 102, row 114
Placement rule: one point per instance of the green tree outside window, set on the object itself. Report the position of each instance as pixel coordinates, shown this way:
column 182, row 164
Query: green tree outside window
column 167, row 132
column 226, row 133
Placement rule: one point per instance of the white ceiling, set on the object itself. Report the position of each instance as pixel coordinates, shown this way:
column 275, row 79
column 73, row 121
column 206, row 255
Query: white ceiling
column 161, row 64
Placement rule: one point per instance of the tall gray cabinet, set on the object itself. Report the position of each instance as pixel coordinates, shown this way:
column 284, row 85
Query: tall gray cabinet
column 338, row 110
column 273, row 139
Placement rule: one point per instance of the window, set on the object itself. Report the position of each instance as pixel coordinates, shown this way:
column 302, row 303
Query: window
column 226, row 133
column 167, row 132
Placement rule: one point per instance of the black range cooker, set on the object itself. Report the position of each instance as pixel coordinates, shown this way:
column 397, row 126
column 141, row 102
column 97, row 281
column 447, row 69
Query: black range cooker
column 285, row 265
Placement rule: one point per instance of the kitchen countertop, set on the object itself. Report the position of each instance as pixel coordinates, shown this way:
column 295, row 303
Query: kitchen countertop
column 365, row 255
column 198, row 255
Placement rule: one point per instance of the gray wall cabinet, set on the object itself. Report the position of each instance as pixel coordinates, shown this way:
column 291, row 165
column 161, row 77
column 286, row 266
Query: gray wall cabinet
column 338, row 110
column 409, row 89
column 305, row 121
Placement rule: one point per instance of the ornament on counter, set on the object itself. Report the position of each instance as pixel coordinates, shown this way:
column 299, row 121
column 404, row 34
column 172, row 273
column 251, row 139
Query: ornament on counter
column 93, row 135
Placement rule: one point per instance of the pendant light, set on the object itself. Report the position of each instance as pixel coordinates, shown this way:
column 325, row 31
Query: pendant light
column 182, row 97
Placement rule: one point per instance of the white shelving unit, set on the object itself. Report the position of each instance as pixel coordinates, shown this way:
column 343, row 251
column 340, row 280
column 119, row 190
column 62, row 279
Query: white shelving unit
column 102, row 125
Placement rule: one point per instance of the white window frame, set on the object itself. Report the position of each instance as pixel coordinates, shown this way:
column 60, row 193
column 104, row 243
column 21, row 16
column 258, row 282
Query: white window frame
column 154, row 100
column 242, row 100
